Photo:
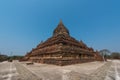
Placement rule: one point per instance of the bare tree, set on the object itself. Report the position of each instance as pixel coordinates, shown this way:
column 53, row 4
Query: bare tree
column 105, row 52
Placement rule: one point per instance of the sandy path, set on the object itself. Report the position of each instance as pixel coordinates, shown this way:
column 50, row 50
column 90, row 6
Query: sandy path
column 8, row 71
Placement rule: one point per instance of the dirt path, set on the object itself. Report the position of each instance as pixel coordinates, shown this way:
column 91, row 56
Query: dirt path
column 25, row 73
column 8, row 71
column 114, row 71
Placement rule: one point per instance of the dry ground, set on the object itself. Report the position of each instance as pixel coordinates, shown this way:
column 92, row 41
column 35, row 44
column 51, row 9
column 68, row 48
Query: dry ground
column 87, row 71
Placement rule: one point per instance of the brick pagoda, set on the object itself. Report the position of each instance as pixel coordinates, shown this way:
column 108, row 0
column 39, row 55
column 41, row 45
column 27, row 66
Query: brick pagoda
column 62, row 49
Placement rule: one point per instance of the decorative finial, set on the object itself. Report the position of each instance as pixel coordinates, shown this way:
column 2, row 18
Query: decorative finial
column 61, row 21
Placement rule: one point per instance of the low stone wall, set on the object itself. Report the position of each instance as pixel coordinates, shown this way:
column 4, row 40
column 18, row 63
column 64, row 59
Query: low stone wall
column 65, row 62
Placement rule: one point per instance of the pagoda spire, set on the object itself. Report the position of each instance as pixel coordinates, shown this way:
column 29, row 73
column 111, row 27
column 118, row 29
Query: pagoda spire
column 60, row 29
column 60, row 21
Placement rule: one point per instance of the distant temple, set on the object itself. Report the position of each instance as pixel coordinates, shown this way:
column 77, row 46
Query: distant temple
column 62, row 49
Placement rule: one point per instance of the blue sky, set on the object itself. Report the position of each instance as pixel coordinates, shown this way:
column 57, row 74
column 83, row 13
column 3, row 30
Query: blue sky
column 24, row 23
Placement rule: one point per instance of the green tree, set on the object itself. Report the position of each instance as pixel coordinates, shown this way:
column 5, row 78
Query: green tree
column 115, row 55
